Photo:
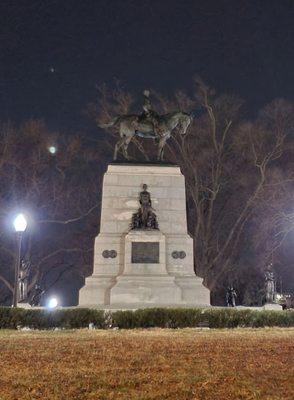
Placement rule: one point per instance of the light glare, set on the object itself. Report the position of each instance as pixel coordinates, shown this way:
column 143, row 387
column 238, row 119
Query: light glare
column 53, row 302
column 20, row 223
column 52, row 149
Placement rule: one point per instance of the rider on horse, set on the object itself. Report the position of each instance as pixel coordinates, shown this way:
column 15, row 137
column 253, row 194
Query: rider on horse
column 150, row 115
column 148, row 125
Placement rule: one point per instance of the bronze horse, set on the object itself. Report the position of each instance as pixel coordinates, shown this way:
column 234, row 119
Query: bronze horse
column 134, row 125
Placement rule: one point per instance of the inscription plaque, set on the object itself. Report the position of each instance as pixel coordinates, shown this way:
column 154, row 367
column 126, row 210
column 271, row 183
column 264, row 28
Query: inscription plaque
column 145, row 252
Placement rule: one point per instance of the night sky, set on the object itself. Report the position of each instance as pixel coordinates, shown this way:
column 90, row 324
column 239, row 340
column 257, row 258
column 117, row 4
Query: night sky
column 54, row 53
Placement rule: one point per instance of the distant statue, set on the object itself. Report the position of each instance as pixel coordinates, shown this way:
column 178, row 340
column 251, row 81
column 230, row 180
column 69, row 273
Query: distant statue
column 231, row 296
column 145, row 218
column 23, row 279
column 37, row 296
column 148, row 125
column 269, row 286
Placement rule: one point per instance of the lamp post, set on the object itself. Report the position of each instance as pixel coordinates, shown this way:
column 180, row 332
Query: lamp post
column 20, row 224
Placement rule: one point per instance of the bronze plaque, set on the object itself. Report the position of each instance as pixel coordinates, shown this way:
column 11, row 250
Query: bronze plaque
column 145, row 252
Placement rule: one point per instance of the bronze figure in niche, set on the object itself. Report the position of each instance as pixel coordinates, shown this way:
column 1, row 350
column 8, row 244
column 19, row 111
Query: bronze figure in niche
column 145, row 217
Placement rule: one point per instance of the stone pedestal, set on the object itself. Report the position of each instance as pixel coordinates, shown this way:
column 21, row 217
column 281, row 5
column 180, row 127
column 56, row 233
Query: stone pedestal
column 272, row 307
column 23, row 305
column 162, row 274
column 142, row 282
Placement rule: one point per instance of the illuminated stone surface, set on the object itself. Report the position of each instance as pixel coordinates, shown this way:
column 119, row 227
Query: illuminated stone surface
column 119, row 283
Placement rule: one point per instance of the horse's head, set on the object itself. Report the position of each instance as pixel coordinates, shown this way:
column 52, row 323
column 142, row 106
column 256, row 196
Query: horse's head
column 184, row 122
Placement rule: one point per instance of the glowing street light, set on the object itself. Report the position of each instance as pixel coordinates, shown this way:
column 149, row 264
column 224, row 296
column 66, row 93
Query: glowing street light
column 52, row 149
column 20, row 225
column 52, row 303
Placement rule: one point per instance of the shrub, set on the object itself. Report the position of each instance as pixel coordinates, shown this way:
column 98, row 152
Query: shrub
column 272, row 318
column 11, row 318
column 227, row 317
column 157, row 317
column 45, row 319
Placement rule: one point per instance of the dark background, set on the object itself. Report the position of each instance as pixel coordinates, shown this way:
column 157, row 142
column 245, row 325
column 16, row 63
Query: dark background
column 54, row 53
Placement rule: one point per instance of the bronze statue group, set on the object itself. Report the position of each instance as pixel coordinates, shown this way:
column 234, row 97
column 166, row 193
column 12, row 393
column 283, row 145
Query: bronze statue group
column 148, row 125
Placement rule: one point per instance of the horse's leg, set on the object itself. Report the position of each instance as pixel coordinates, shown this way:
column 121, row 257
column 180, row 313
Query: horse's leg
column 116, row 150
column 125, row 149
column 160, row 149
column 126, row 145
column 118, row 145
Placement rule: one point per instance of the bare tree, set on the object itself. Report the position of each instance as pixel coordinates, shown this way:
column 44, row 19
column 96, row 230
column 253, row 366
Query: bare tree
column 228, row 163
column 58, row 191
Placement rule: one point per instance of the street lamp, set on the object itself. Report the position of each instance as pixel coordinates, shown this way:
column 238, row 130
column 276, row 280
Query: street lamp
column 52, row 303
column 52, row 149
column 20, row 225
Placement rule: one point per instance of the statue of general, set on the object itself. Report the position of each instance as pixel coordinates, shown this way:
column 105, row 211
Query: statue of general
column 145, row 218
column 148, row 125
column 269, row 286
column 23, row 278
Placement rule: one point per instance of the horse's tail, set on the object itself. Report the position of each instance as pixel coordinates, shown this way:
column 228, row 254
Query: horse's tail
column 110, row 124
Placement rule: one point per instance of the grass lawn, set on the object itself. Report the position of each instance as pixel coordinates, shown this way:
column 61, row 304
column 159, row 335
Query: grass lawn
column 147, row 364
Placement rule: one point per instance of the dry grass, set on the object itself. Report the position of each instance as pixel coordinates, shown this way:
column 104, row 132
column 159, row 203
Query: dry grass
column 147, row 364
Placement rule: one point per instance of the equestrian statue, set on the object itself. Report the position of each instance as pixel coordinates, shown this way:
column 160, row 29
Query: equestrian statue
column 148, row 125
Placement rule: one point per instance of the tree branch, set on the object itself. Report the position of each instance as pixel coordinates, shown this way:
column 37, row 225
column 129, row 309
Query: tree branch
column 69, row 221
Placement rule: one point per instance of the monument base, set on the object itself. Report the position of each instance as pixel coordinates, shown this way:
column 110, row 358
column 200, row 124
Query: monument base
column 272, row 307
column 96, row 291
column 143, row 290
column 138, row 268
column 23, row 305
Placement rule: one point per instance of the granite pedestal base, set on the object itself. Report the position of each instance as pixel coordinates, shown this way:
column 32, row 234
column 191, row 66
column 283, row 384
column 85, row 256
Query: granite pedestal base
column 143, row 268
column 272, row 307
